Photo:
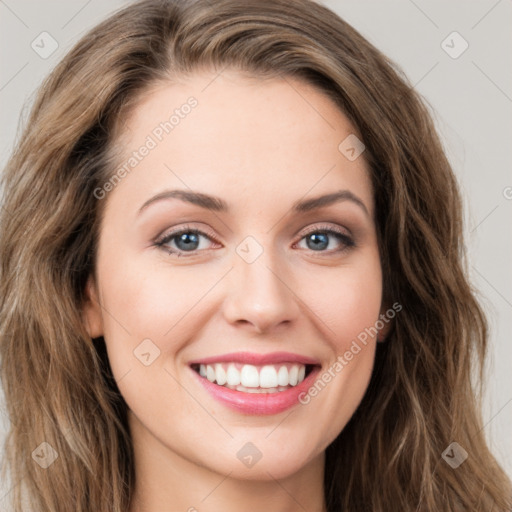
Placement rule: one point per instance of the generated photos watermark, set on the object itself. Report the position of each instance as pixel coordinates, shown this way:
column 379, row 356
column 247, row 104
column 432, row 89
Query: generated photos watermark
column 156, row 136
column 354, row 349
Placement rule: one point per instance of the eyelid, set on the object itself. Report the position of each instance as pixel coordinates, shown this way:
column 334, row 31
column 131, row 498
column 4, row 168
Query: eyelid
column 326, row 227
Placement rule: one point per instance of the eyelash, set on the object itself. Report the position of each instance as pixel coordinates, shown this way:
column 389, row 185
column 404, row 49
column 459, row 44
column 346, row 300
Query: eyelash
column 161, row 242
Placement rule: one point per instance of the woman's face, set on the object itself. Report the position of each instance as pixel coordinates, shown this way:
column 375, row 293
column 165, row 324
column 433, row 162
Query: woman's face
column 244, row 274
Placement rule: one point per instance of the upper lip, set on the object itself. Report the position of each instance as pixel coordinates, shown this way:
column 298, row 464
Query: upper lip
column 257, row 359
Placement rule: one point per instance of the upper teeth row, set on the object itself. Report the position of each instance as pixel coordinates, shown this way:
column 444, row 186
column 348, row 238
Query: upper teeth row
column 251, row 376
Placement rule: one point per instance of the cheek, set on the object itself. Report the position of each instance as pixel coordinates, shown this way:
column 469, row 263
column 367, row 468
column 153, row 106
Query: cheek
column 144, row 298
column 345, row 301
column 150, row 314
column 347, row 306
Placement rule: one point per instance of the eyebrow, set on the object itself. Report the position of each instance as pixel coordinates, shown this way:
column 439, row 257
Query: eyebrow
column 217, row 204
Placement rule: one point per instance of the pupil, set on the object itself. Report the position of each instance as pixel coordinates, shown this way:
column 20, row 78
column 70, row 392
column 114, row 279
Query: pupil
column 189, row 239
column 320, row 239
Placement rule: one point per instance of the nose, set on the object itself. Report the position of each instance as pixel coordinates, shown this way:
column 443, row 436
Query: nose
column 260, row 295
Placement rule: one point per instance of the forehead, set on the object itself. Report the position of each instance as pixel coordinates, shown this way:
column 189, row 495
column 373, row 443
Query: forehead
column 240, row 137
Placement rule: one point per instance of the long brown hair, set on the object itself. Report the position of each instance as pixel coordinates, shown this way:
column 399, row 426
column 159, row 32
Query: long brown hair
column 424, row 393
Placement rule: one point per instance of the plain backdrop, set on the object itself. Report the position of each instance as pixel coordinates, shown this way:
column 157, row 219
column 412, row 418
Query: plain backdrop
column 466, row 78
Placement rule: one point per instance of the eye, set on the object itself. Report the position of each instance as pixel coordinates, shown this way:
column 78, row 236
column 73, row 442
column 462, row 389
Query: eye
column 322, row 238
column 184, row 240
column 187, row 241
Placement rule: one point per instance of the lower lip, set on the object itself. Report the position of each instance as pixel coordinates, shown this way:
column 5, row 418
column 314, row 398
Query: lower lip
column 259, row 403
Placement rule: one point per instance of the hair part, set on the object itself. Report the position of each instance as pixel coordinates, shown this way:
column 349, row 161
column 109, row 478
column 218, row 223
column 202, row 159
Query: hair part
column 58, row 383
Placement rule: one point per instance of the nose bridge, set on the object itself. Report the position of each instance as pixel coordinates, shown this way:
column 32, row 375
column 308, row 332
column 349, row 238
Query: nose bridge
column 258, row 291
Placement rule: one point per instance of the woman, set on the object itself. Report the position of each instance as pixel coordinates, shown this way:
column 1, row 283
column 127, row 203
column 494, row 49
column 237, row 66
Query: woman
column 232, row 276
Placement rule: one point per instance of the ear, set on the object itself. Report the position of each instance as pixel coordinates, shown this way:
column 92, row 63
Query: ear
column 385, row 322
column 93, row 319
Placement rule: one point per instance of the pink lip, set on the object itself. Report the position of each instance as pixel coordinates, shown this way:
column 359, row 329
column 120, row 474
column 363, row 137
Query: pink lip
column 257, row 359
column 259, row 403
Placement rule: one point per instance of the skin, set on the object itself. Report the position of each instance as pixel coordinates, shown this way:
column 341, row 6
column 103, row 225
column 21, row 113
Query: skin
column 260, row 145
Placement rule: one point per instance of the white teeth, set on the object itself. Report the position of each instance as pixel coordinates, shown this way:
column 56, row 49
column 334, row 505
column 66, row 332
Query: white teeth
column 210, row 373
column 293, row 375
column 282, row 376
column 268, row 377
column 220, row 374
column 250, row 378
column 233, row 375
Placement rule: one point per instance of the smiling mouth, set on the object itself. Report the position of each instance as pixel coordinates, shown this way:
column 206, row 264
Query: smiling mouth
column 248, row 378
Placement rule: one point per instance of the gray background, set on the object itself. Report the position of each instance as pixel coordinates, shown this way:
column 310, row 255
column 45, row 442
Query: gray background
column 471, row 96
